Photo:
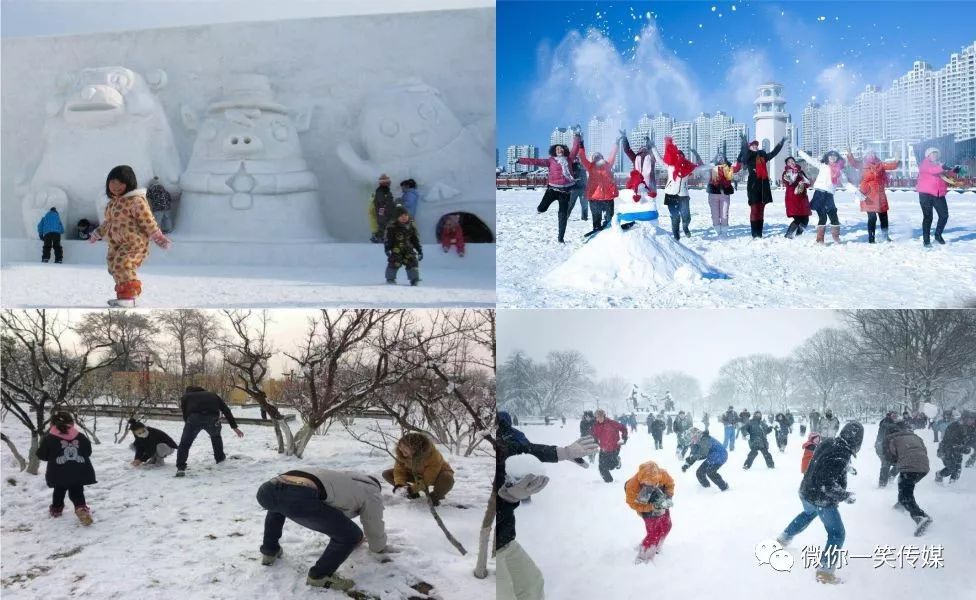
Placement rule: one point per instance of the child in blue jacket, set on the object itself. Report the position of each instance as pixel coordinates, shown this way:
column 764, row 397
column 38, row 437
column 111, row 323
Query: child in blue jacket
column 704, row 446
column 49, row 229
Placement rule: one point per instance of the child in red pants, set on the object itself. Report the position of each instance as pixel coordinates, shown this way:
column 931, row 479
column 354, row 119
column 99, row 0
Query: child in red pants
column 452, row 235
column 649, row 492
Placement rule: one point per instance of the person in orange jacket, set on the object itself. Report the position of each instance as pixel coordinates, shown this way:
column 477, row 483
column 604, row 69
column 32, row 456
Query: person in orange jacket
column 649, row 492
column 809, row 447
column 874, row 178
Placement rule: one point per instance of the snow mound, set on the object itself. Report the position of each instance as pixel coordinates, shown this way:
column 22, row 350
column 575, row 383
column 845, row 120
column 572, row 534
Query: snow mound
column 641, row 257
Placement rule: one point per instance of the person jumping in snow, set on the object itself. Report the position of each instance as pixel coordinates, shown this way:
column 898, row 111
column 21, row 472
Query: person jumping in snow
column 757, row 430
column 829, row 178
column 201, row 412
column 610, row 435
column 151, row 445
column 824, row 486
column 676, row 196
column 760, row 194
column 560, row 179
column 420, row 468
column 650, row 493
column 906, row 451
column 932, row 188
column 796, row 183
column 706, row 448
column 128, row 227
column 600, row 187
column 874, row 178
column 730, row 422
column 324, row 501
column 642, row 175
column 402, row 246
column 720, row 190
column 67, row 453
column 49, row 230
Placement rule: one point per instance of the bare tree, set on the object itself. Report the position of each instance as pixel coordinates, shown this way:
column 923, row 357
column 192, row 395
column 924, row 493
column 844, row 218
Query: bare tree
column 684, row 388
column 822, row 360
column 130, row 335
column 207, row 336
column 39, row 373
column 751, row 378
column 181, row 326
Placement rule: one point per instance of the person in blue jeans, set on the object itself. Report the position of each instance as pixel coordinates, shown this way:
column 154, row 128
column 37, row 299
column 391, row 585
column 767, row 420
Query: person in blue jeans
column 823, row 488
column 49, row 229
column 730, row 422
column 325, row 501
column 705, row 447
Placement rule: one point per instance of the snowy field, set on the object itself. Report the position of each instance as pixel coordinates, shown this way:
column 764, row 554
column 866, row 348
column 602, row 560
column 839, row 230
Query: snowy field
column 356, row 280
column 162, row 538
column 772, row 272
column 583, row 536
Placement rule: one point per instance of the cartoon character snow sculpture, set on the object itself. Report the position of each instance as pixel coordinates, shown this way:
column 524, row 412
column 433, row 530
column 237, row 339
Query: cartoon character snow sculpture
column 102, row 117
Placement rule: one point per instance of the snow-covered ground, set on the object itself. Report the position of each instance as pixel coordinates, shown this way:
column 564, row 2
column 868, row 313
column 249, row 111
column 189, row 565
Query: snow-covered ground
column 158, row 537
column 772, row 272
column 582, row 534
column 354, row 279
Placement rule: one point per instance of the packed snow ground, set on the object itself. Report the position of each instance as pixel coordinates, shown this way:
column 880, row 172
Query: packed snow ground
column 162, row 538
column 170, row 284
column 772, row 272
column 583, row 536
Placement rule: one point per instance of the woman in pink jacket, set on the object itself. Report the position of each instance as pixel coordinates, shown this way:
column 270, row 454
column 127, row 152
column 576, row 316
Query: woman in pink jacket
column 561, row 179
column 932, row 194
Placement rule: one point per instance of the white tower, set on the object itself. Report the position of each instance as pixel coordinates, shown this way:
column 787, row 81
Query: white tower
column 771, row 124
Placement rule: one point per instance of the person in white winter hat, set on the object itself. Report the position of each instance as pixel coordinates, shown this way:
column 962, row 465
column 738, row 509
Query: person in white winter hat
column 932, row 189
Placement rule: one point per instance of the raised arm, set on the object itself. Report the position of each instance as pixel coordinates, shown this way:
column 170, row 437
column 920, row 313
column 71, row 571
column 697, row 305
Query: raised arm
column 583, row 159
column 777, row 149
column 539, row 162
column 809, row 159
column 853, row 161
column 575, row 149
column 657, row 155
column 628, row 151
column 613, row 155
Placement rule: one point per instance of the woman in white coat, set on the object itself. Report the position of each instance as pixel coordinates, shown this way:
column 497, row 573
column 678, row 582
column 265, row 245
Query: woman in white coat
column 830, row 177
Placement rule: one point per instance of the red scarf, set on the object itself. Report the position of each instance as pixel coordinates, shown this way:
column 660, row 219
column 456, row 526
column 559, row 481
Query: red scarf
column 761, row 171
column 674, row 158
column 835, row 171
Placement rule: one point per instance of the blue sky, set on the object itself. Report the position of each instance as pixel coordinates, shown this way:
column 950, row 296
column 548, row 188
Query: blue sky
column 704, row 56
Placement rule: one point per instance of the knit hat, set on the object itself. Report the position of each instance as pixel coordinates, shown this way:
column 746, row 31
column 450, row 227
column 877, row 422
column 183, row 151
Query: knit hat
column 930, row 151
column 754, row 143
column 134, row 424
column 62, row 418
column 399, row 211
column 384, row 179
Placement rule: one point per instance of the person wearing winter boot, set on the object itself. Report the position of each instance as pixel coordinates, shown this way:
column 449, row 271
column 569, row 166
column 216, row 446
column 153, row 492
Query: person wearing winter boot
column 824, row 486
column 324, row 501
column 517, row 575
column 954, row 444
column 756, row 162
column 888, row 469
column 452, row 234
column 657, row 430
column 829, row 424
column 706, row 448
column 650, row 493
column 49, row 230
column 151, row 445
column 600, row 186
column 420, row 468
column 578, row 191
column 874, row 179
column 782, row 431
column 128, row 227
column 906, row 451
column 380, row 209
column 642, row 173
column 830, row 177
column 201, row 412
column 757, row 430
column 720, row 191
column 932, row 189
column 610, row 435
column 402, row 245
column 796, row 182
column 161, row 204
column 560, row 179
column 809, row 447
column 67, row 453
column 676, row 196
column 730, row 422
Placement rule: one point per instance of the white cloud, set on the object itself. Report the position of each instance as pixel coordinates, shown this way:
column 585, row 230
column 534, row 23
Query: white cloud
column 749, row 70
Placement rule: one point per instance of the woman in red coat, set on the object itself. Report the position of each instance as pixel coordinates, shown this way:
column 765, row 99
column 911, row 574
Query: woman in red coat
column 797, row 202
column 600, row 186
column 874, row 177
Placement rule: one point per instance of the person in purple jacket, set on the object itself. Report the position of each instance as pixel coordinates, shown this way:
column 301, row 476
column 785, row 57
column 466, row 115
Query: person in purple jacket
column 561, row 179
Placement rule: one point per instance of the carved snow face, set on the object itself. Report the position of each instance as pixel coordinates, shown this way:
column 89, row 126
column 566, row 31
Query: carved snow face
column 104, row 95
column 247, row 134
column 407, row 121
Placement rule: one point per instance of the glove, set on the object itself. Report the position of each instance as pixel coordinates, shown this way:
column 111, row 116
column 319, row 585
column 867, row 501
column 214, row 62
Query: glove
column 161, row 240
column 578, row 449
column 389, row 253
column 523, row 488
column 850, row 498
column 684, row 468
column 420, row 255
column 412, row 494
column 396, row 487
column 94, row 237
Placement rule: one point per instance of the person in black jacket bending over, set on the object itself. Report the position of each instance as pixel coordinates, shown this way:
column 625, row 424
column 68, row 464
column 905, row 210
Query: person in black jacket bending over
column 151, row 445
column 201, row 411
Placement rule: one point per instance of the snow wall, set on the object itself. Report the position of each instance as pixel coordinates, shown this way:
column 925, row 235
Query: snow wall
column 411, row 95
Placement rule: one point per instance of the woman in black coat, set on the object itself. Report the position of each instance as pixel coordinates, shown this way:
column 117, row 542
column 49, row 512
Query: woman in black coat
column 758, row 186
column 68, row 455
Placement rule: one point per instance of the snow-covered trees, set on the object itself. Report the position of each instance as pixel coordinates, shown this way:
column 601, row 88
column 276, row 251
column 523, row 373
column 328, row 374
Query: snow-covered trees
column 561, row 384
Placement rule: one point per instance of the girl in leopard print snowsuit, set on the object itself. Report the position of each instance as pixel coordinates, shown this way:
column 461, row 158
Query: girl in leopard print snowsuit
column 128, row 226
column 67, row 453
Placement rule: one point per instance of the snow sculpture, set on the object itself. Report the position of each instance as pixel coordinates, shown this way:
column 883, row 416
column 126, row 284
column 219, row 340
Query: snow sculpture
column 102, row 117
column 247, row 178
column 408, row 131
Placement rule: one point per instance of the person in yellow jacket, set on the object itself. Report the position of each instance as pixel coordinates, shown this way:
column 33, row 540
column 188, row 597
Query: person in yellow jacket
column 128, row 227
column 420, row 468
column 649, row 492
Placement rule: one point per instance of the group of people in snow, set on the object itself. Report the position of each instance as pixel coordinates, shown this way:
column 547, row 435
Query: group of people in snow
column 572, row 177
column 825, row 462
column 320, row 499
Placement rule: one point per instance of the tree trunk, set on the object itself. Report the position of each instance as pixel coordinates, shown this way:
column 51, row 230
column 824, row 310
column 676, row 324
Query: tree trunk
column 13, row 449
column 301, row 440
column 481, row 567
column 33, row 463
column 277, row 430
